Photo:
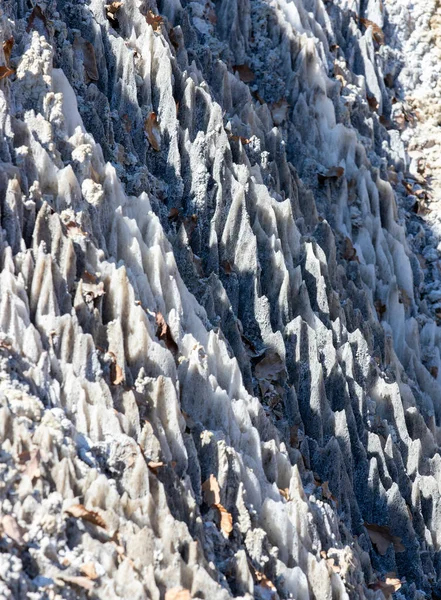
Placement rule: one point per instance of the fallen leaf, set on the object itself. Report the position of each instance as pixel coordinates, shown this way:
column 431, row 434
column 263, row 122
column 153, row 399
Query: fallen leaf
column 7, row 49
column 239, row 138
column 389, row 586
column 226, row 519
column 285, row 494
column 154, row 20
column 79, row 511
column 211, row 490
column 332, row 173
column 377, row 32
column 116, row 374
column 372, row 101
column 264, row 582
column 177, row 593
column 163, row 332
column 279, row 111
column 434, row 372
column 82, row 582
column 245, row 73
column 13, row 529
column 88, row 277
column 154, row 466
column 151, row 127
column 382, row 538
column 173, row 214
column 5, row 72
column 89, row 570
column 86, row 50
column 112, row 9
column 270, row 366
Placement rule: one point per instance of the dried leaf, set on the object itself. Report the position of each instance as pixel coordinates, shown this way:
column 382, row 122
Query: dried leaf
column 7, row 49
column 226, row 520
column 177, row 593
column 82, row 582
column 372, row 101
column 79, row 511
column 239, row 138
column 211, row 490
column 163, row 332
column 332, row 173
column 73, row 229
column 377, row 32
column 89, row 570
column 154, row 466
column 245, row 73
column 389, row 586
column 151, row 127
column 264, row 582
column 112, row 9
column 154, row 20
column 279, row 111
column 285, row 494
column 116, row 374
column 173, row 214
column 382, row 538
column 269, row 367
column 5, row 72
column 434, row 372
column 13, row 529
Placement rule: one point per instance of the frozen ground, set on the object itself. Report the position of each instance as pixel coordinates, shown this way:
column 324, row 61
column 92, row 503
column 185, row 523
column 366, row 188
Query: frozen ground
column 220, row 368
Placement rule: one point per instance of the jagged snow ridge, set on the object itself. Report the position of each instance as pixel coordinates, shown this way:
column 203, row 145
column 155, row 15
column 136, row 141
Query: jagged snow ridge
column 265, row 265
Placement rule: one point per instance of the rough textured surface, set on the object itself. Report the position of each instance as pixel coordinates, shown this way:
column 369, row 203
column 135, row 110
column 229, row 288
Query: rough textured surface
column 217, row 260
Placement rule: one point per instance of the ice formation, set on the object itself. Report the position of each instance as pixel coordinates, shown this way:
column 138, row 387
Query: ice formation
column 220, row 368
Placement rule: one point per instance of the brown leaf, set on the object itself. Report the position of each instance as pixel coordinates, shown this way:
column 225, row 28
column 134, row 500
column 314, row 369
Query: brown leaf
column 269, row 367
column 79, row 511
column 372, row 101
column 154, row 466
column 89, row 570
column 382, row 538
column 7, row 49
column 37, row 15
column 88, row 277
column 154, row 20
column 173, row 214
column 73, row 229
column 377, row 32
column 285, row 494
column 5, row 72
column 151, row 127
column 164, row 333
column 13, row 529
column 82, row 582
column 177, row 593
column 264, row 582
column 279, row 111
column 332, row 173
column 211, row 490
column 226, row 519
column 389, row 586
column 245, row 73
column 239, row 138
column 434, row 372
column 116, row 374
column 112, row 9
